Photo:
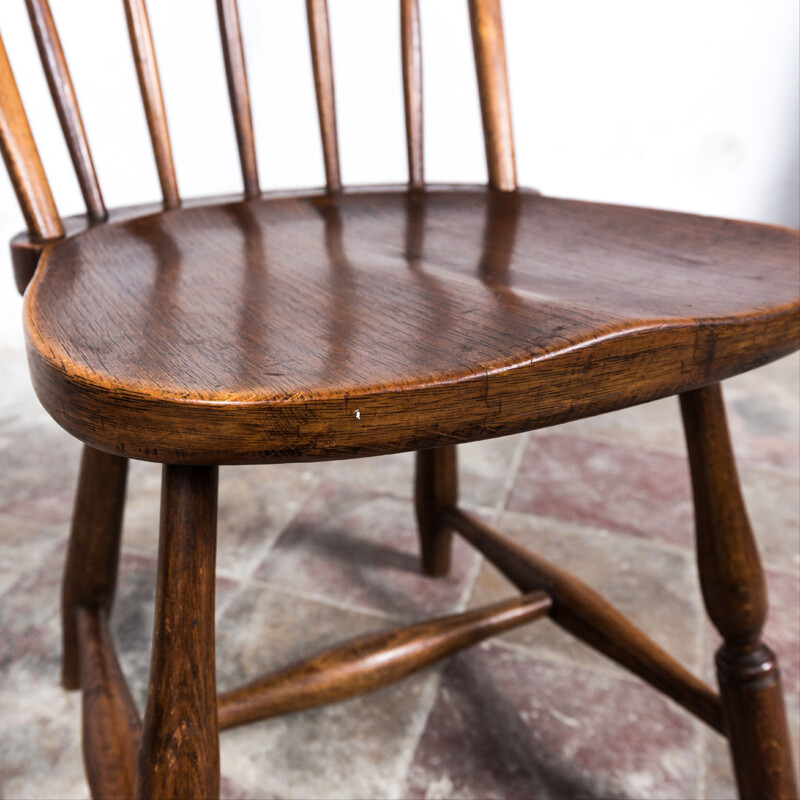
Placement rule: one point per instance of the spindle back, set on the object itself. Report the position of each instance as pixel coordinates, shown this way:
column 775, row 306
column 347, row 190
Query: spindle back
column 27, row 173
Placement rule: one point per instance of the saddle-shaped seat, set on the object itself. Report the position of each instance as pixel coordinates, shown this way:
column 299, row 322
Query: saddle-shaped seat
column 318, row 325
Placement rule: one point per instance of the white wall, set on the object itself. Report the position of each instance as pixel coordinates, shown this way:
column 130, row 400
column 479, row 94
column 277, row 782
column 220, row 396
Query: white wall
column 690, row 105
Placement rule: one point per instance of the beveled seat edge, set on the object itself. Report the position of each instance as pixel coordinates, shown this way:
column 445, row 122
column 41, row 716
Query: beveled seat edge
column 624, row 368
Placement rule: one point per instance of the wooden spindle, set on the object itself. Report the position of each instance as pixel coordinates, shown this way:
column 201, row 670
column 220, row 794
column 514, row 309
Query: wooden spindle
column 144, row 57
column 66, row 103
column 239, row 93
column 411, row 45
column 372, row 662
column 588, row 616
column 490, row 64
column 322, row 61
column 22, row 159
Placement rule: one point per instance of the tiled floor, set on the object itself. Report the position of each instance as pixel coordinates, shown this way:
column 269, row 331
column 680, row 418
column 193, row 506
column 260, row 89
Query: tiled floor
column 312, row 554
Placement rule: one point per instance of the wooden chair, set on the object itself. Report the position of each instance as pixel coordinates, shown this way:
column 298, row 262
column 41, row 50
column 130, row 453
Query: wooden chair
column 337, row 323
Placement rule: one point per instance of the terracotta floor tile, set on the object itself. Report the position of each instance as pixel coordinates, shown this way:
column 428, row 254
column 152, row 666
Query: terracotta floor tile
column 657, row 589
column 360, row 549
column 764, row 416
column 483, row 471
column 632, row 490
column 654, row 426
column 255, row 505
column 38, row 474
column 773, row 505
column 30, row 622
column 762, row 412
column 40, row 749
column 358, row 748
column 507, row 726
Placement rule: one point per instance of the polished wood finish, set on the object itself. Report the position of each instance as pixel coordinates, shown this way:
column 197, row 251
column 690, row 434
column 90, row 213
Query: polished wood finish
column 111, row 725
column 411, row 46
column 90, row 572
column 734, row 591
column 144, row 56
column 236, row 72
column 179, row 753
column 372, row 662
column 66, row 103
column 322, row 62
column 490, row 63
column 22, row 159
column 585, row 614
column 294, row 328
column 301, row 326
column 435, row 489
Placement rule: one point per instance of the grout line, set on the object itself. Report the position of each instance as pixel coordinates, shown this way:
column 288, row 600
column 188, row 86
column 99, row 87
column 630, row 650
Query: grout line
column 511, row 475
column 418, row 727
column 743, row 462
column 656, row 544
column 263, row 552
column 702, row 767
column 325, row 601
column 606, row 666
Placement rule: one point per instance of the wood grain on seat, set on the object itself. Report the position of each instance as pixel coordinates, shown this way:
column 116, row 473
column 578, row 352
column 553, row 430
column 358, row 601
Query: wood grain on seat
column 334, row 325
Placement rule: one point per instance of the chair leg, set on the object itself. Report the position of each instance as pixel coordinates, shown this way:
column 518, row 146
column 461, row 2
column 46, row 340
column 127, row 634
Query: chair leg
column 90, row 573
column 435, row 488
column 179, row 752
column 734, row 592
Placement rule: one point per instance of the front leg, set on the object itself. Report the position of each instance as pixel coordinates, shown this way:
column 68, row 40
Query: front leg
column 179, row 752
column 734, row 592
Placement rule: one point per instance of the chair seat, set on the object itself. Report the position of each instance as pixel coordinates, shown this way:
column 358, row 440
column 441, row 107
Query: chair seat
column 312, row 326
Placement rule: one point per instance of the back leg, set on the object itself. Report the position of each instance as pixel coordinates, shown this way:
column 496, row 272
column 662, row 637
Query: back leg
column 435, row 489
column 90, row 574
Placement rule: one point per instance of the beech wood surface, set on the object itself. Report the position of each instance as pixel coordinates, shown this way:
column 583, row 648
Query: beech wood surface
column 322, row 63
column 490, row 64
column 411, row 46
column 111, row 725
column 66, row 103
column 236, row 72
column 590, row 617
column 90, row 571
column 144, row 56
column 179, row 752
column 372, row 662
column 734, row 592
column 298, row 329
column 22, row 159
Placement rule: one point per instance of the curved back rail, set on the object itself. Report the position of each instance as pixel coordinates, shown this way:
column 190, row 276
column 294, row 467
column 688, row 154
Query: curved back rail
column 28, row 176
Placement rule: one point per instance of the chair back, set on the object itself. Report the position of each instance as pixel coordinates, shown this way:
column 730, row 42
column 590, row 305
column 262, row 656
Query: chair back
column 28, row 176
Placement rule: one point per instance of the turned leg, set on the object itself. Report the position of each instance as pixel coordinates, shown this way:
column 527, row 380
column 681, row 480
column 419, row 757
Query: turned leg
column 90, row 574
column 734, row 592
column 179, row 752
column 435, row 489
